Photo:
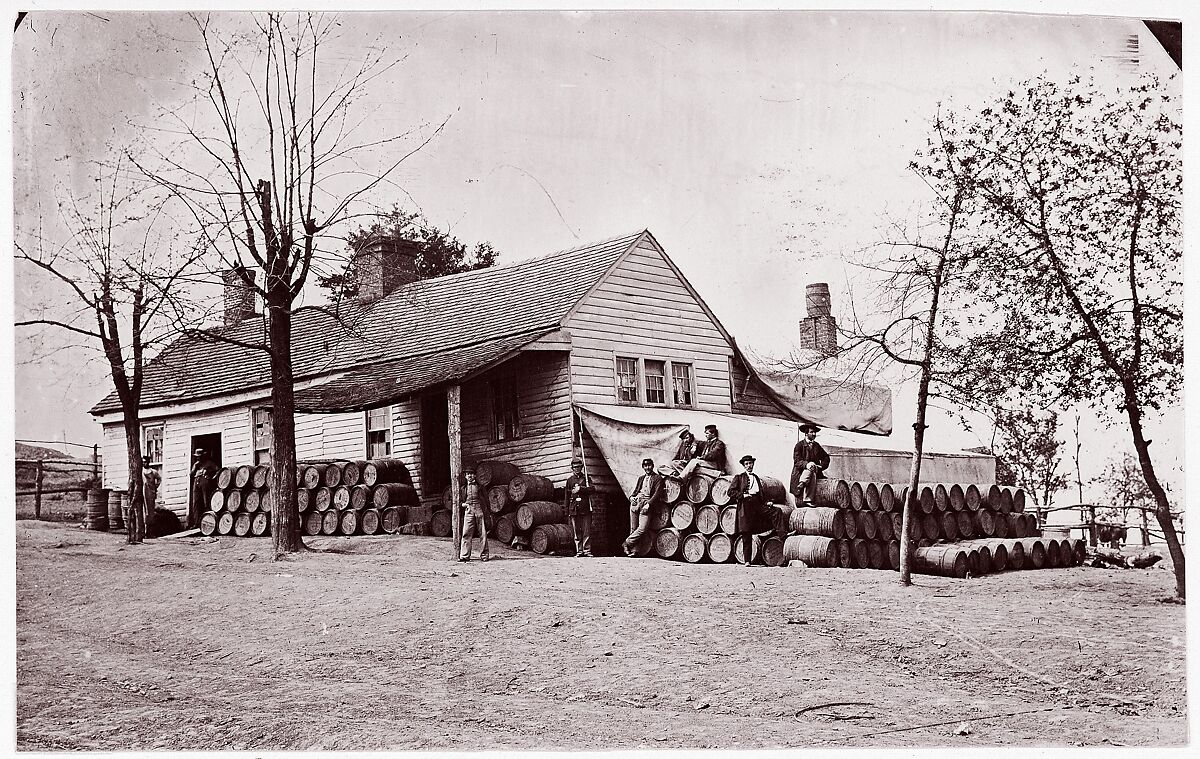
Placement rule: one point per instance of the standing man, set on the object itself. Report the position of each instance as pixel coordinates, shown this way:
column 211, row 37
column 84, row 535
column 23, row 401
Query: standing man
column 472, row 519
column 711, row 454
column 203, row 470
column 648, row 492
column 151, row 479
column 577, row 499
column 809, row 460
column 746, row 491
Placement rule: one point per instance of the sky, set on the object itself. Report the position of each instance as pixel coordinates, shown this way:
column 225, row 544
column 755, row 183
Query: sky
column 762, row 149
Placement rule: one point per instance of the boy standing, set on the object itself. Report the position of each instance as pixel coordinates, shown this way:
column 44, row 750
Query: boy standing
column 472, row 520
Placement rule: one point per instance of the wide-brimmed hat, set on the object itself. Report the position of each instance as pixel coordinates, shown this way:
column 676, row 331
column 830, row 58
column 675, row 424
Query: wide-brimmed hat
column 746, row 458
column 809, row 427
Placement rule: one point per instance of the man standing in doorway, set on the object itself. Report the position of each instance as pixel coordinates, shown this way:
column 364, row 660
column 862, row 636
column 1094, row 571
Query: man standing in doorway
column 203, row 470
column 577, row 498
column 809, row 460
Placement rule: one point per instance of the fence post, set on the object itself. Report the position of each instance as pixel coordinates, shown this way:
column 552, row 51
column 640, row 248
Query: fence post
column 37, row 490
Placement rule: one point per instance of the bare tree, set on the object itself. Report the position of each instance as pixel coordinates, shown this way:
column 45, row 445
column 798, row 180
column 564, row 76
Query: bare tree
column 125, row 274
column 1030, row 447
column 280, row 156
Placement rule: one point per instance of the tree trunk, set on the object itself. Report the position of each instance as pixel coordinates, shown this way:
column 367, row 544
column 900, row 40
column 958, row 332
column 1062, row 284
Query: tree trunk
column 135, row 526
column 454, row 433
column 1162, row 510
column 285, row 519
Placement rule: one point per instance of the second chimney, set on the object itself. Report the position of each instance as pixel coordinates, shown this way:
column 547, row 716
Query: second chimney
column 818, row 331
column 238, row 295
column 382, row 264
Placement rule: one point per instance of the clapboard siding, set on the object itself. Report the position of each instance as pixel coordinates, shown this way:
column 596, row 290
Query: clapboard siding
column 406, row 437
column 643, row 310
column 750, row 398
column 114, row 457
column 310, row 437
column 345, row 435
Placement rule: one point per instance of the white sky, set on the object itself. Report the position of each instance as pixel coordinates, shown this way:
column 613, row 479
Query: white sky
column 758, row 147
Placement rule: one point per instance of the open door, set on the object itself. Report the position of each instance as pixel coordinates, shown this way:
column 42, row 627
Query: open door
column 435, row 443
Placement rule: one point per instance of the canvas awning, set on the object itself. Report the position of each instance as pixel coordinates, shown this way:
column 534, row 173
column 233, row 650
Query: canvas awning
column 828, row 402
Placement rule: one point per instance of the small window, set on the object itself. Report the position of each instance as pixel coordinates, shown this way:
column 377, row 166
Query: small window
column 379, row 432
column 262, row 436
column 656, row 382
column 152, row 443
column 506, row 421
column 681, row 384
column 627, row 391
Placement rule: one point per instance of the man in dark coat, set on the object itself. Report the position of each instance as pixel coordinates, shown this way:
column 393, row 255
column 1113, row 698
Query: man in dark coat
column 809, row 461
column 746, row 491
column 710, row 455
column 647, row 493
column 577, row 498
column 203, row 470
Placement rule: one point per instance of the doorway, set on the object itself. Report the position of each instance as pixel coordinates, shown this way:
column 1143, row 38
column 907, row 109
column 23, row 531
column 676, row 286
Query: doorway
column 435, row 443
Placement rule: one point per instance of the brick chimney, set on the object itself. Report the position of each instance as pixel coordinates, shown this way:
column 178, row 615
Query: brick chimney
column 818, row 331
column 238, row 296
column 383, row 264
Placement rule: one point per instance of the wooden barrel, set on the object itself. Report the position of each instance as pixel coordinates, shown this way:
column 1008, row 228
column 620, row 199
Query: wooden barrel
column 720, row 548
column 813, row 550
column 915, row 522
column 96, row 516
column 774, row 491
column 260, row 475
column 391, row 518
column 739, row 550
column 707, row 519
column 781, row 516
column 719, row 492
column 893, row 555
column 506, row 528
column 447, row 499
column 498, row 500
column 926, row 501
column 348, row 522
column 341, row 498
column 860, row 553
column 225, row 523
column 897, row 524
column 985, row 522
column 394, row 494
column 868, row 528
column 251, row 501
column 266, row 501
column 352, row 473
column 991, row 499
column 948, row 526
column 332, row 476
column 303, row 499
column 441, row 526
column 1018, row 500
column 312, row 522
column 208, row 523
column 972, row 498
column 224, row 478
column 958, row 498
column 729, row 520
column 966, row 523
column 698, row 487
column 849, row 524
column 1035, row 553
column 1002, row 527
column 1006, row 500
column 668, row 542
column 1016, row 554
column 979, row 559
column 819, row 520
column 941, row 497
column 900, row 497
column 329, row 521
column 672, row 490
column 694, row 548
column 383, row 471
column 772, row 551
column 857, row 499
column 530, row 487
column 660, row 516
column 536, row 513
column 871, row 497
column 322, row 498
column 887, row 497
column 884, row 527
column 242, row 475
column 683, row 515
column 233, row 501
column 216, row 501
column 877, row 557
column 942, row 560
column 361, row 496
column 845, row 553
column 1054, row 558
column 1033, row 528
column 552, row 538
column 260, row 524
column 241, row 524
column 931, row 526
column 369, row 521
column 491, row 473
column 999, row 554
column 831, row 493
column 1078, row 551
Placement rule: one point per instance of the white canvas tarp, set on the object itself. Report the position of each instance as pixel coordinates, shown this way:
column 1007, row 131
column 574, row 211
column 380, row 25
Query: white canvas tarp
column 830, row 403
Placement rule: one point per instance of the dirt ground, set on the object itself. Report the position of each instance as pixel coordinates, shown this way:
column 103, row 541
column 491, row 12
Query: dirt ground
column 385, row 643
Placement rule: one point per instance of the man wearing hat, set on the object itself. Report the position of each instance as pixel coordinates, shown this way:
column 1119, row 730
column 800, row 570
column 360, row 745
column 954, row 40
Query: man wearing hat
column 688, row 449
column 473, row 518
column 203, row 470
column 710, row 455
column 648, row 492
column 809, row 460
column 746, row 491
column 577, row 499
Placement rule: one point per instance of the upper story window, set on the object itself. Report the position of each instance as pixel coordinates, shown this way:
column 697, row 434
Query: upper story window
column 506, row 418
column 644, row 381
column 379, row 432
column 152, row 443
column 262, row 435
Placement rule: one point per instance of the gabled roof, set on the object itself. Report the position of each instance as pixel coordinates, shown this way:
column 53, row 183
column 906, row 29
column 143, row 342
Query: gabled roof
column 417, row 320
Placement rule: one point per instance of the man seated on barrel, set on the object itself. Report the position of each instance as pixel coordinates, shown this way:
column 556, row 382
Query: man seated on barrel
column 809, row 460
column 688, row 449
column 709, row 457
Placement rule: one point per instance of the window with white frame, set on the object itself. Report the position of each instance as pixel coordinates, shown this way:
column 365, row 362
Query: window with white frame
column 656, row 382
column 152, row 443
column 681, row 384
column 379, row 432
column 627, row 384
column 262, row 435
column 506, row 417
column 644, row 381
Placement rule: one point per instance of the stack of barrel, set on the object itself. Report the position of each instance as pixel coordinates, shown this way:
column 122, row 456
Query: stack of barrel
column 955, row 529
column 524, row 510
column 359, row 498
column 698, row 523
column 240, row 504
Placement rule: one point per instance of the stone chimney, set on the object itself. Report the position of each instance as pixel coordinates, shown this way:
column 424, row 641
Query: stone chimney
column 238, row 296
column 818, row 331
column 383, row 264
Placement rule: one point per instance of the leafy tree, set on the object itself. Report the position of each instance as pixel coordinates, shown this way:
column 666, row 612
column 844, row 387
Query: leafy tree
column 1031, row 451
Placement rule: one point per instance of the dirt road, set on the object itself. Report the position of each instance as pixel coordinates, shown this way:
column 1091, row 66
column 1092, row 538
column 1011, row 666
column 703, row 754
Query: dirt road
column 384, row 643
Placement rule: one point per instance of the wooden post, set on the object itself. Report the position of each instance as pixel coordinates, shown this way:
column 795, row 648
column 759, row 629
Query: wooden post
column 1092, row 525
column 1145, row 529
column 454, row 431
column 37, row 490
